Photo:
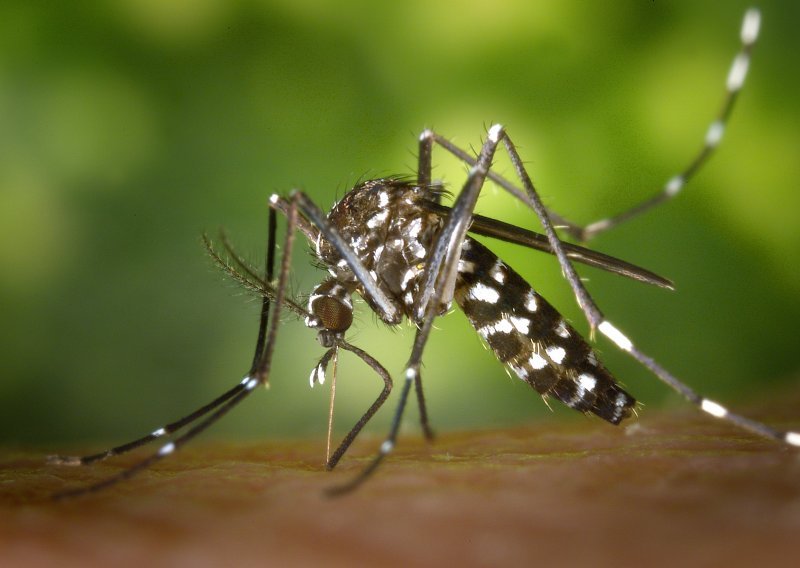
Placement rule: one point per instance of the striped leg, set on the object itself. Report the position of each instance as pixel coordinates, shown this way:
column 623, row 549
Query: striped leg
column 734, row 83
column 598, row 321
column 258, row 375
column 437, row 290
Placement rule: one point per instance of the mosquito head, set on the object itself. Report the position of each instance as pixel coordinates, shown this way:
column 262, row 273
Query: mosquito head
column 331, row 311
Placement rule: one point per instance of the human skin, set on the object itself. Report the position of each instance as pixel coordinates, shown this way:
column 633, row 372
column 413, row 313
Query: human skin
column 674, row 487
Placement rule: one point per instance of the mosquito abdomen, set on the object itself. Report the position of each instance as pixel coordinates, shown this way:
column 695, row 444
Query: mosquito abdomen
column 529, row 336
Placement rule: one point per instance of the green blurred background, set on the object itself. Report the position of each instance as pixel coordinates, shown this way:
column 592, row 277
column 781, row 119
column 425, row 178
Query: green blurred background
column 127, row 130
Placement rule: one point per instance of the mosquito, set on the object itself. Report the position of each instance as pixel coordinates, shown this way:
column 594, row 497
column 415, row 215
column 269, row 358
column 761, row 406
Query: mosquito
column 392, row 242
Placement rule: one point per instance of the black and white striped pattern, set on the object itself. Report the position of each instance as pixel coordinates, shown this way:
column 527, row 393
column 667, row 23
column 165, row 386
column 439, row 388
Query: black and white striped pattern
column 532, row 338
column 673, row 186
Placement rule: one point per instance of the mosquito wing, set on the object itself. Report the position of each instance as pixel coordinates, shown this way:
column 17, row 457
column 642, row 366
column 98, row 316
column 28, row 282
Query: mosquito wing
column 511, row 233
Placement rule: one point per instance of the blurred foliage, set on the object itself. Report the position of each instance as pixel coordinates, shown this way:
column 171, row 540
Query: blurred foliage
column 129, row 128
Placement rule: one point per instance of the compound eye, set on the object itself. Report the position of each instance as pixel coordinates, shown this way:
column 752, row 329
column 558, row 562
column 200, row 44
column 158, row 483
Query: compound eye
column 333, row 314
column 330, row 307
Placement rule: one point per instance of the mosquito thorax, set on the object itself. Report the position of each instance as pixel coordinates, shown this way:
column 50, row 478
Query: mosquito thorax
column 387, row 228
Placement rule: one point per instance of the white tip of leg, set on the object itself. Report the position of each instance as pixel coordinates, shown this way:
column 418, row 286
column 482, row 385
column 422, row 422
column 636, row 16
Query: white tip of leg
column 411, row 374
column 738, row 72
column 426, row 134
column 615, row 335
column 387, row 447
column 714, row 134
column 674, row 185
column 251, row 384
column 274, row 198
column 166, row 449
column 713, row 408
column 158, row 433
column 792, row 438
column 750, row 26
column 495, row 132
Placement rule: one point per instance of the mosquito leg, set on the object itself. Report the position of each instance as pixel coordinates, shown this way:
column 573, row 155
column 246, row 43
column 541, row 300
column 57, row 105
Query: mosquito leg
column 265, row 301
column 355, row 430
column 597, row 321
column 441, row 271
column 258, row 375
column 155, row 435
column 202, row 411
column 707, row 405
column 424, row 421
column 447, row 248
column 590, row 309
column 165, row 450
column 386, row 447
column 262, row 366
column 424, row 164
column 733, row 85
